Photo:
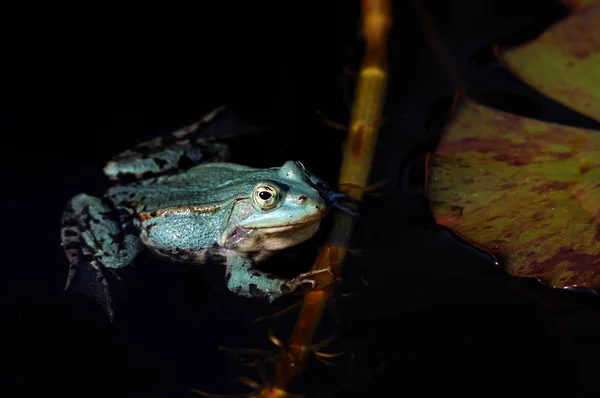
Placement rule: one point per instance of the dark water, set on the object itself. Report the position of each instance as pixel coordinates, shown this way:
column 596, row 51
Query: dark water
column 438, row 319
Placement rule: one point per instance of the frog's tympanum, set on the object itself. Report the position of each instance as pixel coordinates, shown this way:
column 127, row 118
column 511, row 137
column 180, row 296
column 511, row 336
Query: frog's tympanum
column 183, row 202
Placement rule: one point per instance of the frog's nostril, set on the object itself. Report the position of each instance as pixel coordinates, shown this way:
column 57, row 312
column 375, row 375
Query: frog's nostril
column 302, row 199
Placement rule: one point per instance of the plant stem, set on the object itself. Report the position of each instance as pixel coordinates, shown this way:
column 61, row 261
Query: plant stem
column 356, row 166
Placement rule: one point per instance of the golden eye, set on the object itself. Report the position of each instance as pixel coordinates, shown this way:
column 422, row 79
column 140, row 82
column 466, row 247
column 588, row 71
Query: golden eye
column 265, row 196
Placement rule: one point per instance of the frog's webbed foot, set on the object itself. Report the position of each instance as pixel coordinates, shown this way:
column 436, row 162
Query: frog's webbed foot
column 244, row 280
column 339, row 200
column 94, row 240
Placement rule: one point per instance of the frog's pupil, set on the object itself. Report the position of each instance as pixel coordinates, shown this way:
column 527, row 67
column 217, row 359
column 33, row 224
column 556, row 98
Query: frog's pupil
column 264, row 195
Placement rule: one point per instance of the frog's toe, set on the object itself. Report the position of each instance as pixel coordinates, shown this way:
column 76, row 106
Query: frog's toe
column 298, row 285
column 90, row 280
column 346, row 209
column 345, row 203
column 311, row 280
column 342, row 197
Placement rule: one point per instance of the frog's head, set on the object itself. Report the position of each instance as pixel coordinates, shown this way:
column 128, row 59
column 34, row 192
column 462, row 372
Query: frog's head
column 281, row 211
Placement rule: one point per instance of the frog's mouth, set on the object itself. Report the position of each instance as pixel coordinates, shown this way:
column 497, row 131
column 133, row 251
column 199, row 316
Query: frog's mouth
column 287, row 226
column 284, row 227
column 248, row 239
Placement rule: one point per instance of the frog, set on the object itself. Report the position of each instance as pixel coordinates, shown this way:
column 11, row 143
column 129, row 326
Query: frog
column 180, row 198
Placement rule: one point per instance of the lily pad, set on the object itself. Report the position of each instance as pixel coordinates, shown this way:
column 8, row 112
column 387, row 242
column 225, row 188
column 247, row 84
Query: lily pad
column 522, row 188
column 564, row 61
column 579, row 3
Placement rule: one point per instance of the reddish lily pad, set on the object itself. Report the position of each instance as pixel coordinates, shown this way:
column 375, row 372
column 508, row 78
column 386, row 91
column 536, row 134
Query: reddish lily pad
column 564, row 61
column 525, row 189
column 579, row 3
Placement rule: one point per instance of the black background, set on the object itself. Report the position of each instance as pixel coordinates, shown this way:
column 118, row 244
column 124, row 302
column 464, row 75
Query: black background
column 81, row 83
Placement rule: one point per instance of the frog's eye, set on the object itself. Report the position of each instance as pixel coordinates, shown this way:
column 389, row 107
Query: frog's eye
column 265, row 196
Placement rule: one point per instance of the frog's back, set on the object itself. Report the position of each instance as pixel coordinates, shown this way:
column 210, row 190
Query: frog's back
column 211, row 183
column 209, row 175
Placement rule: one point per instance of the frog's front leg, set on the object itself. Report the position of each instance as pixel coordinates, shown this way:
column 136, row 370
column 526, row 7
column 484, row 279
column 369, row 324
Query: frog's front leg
column 94, row 239
column 244, row 280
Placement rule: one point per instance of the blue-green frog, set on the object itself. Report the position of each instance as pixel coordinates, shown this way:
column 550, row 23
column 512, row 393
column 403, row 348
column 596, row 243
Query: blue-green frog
column 179, row 198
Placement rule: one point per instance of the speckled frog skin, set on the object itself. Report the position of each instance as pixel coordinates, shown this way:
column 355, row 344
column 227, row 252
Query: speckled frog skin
column 187, row 205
